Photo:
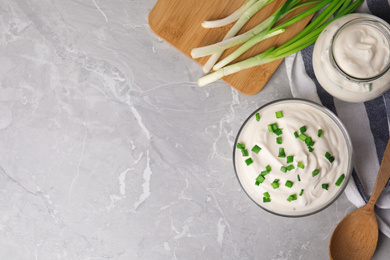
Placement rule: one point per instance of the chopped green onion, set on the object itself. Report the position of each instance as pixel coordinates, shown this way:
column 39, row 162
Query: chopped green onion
column 302, row 137
column 266, row 194
column 300, row 165
column 296, row 134
column 278, row 132
column 275, row 127
column 290, row 167
column 244, row 152
column 270, row 129
column 257, row 117
column 264, row 173
column 265, row 200
column 299, row 178
column 282, row 154
column 340, row 180
column 300, row 194
column 279, row 140
column 257, row 183
column 256, row 149
column 309, row 141
column 275, row 184
column 329, row 157
column 268, row 168
column 310, row 149
column 240, row 146
column 290, row 159
column 325, row 186
column 292, row 197
column 289, row 184
column 319, row 132
column 302, row 129
column 260, row 178
column 279, row 114
column 248, row 161
column 283, row 169
column 316, row 172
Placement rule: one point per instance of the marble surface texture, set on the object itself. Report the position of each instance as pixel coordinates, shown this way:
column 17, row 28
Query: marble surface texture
column 109, row 149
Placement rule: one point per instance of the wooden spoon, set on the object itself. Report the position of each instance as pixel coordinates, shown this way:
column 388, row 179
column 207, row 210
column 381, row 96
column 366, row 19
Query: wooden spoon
column 356, row 236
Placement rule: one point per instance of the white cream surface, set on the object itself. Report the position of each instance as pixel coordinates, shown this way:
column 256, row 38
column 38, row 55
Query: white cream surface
column 361, row 51
column 296, row 115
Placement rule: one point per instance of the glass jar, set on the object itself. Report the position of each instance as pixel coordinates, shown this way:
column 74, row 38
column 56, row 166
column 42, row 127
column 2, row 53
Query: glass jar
column 351, row 57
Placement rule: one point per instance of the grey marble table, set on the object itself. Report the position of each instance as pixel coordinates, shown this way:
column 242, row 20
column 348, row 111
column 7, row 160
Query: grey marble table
column 109, row 149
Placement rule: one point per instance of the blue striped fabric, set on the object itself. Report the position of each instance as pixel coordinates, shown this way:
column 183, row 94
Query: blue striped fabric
column 378, row 110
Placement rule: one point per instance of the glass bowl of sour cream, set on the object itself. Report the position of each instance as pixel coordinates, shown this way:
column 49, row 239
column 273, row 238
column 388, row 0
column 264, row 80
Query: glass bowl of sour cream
column 293, row 157
column 351, row 57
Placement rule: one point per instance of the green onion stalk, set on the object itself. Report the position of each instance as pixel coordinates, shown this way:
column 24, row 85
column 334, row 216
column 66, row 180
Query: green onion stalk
column 333, row 10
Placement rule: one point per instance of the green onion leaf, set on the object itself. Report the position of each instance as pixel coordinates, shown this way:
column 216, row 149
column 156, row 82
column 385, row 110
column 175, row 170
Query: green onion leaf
column 264, row 173
column 265, row 200
column 283, row 169
column 257, row 117
column 256, row 149
column 275, row 184
column 292, row 197
column 290, row 167
column 302, row 137
column 329, row 157
column 260, row 178
column 290, row 159
column 270, row 129
column 240, row 146
column 340, row 180
column 282, row 154
column 319, row 132
column 289, row 184
column 266, row 194
column 244, row 152
column 315, row 172
column 300, row 194
column 248, row 161
column 296, row 134
column 302, row 129
column 310, row 149
column 268, row 168
column 325, row 186
column 300, row 165
column 279, row 140
column 279, row 114
column 299, row 178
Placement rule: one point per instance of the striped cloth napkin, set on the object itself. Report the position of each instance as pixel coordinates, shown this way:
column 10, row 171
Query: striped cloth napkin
column 367, row 123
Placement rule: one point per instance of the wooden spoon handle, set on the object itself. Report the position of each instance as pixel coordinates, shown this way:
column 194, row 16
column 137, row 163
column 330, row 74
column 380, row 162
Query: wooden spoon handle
column 382, row 178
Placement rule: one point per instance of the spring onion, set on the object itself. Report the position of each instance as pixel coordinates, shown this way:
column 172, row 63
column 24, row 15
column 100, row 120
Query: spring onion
column 279, row 114
column 265, row 200
column 301, row 193
column 248, row 161
column 292, row 197
column 301, row 165
column 257, row 117
column 283, row 169
column 302, row 137
column 282, row 154
column 290, row 167
column 289, row 184
column 329, row 157
column 279, row 140
column 331, row 10
column 275, row 184
column 256, row 149
column 325, row 186
column 240, row 146
column 296, row 134
column 340, row 180
column 319, row 133
column 302, row 129
column 244, row 152
column 260, row 179
column 310, row 149
column 290, row 158
column 298, row 177
column 315, row 172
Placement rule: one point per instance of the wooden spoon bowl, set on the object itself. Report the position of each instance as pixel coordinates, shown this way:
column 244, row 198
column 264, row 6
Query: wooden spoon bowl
column 356, row 236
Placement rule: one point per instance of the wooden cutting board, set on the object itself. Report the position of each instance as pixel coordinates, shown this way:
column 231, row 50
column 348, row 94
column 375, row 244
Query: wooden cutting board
column 179, row 23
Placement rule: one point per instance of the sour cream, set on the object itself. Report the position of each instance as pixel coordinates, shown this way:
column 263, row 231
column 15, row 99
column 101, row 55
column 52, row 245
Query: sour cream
column 351, row 57
column 334, row 140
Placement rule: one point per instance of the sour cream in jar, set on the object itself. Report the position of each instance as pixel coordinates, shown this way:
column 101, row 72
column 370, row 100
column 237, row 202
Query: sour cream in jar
column 351, row 57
